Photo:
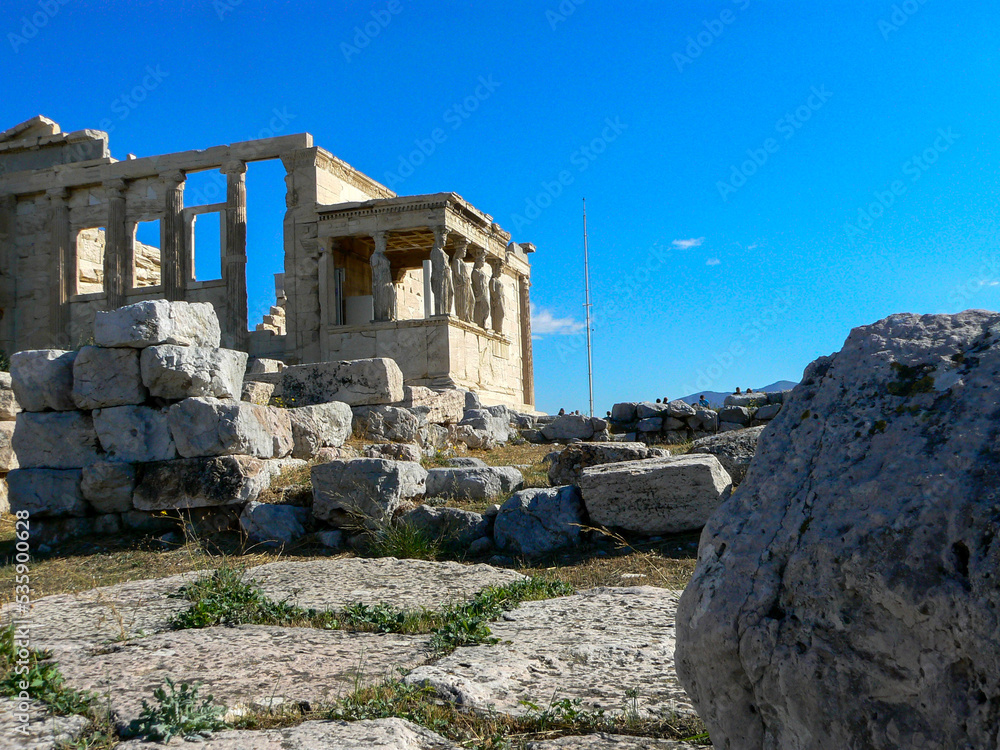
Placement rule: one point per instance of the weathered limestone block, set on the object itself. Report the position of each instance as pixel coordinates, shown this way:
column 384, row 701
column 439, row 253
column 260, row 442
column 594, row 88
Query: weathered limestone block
column 680, row 409
column 176, row 372
column 43, row 379
column 200, row 482
column 262, row 366
column 648, row 410
column 255, row 392
column 273, row 524
column 673, row 424
column 491, row 429
column 650, row 424
column 747, row 400
column 134, row 434
column 569, row 427
column 845, row 596
column 46, row 492
column 319, row 426
column 55, row 440
column 4, row 495
column 370, row 489
column 356, row 382
column 445, row 407
column 278, row 424
column 735, row 449
column 624, row 412
column 108, row 486
column 391, row 424
column 155, row 322
column 735, row 415
column 767, row 413
column 451, row 525
column 473, row 483
column 8, row 458
column 655, row 495
column 210, row 427
column 707, row 420
column 535, row 521
column 8, row 401
column 570, row 462
column 393, row 451
column 107, row 377
column 730, row 426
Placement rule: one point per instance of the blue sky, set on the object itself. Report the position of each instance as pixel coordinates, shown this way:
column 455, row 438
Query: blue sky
column 760, row 177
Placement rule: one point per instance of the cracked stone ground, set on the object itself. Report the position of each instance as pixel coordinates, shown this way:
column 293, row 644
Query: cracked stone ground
column 612, row 648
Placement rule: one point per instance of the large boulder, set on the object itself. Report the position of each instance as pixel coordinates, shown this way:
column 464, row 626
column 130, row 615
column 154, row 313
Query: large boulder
column 108, row 486
column 569, row 427
column 46, row 492
column 366, row 490
column 473, row 483
column 134, row 433
column 273, row 525
column 748, row 400
column 8, row 401
column 490, row 428
column 570, row 462
column 107, row 377
column 845, row 596
column 735, row 415
column 443, row 407
column 734, row 449
column 42, row 379
column 680, row 409
column 210, row 427
column 200, row 482
column 624, row 412
column 55, row 440
column 319, row 426
column 655, row 495
column 648, row 410
column 536, row 521
column 8, row 458
column 356, row 382
column 393, row 451
column 158, row 322
column 451, row 525
column 390, row 424
column 176, row 372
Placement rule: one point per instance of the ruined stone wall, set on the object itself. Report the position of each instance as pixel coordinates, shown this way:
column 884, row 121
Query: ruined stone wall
column 410, row 295
column 90, row 262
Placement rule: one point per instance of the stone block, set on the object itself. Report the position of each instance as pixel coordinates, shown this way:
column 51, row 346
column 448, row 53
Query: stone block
column 366, row 489
column 624, row 412
column 735, row 449
column 177, row 372
column 155, row 322
column 444, row 407
column 210, row 427
column 8, row 458
column 473, row 483
column 569, row 427
column 273, row 525
column 650, row 424
column 134, row 434
column 355, row 382
column 8, row 401
column 108, row 486
column 680, row 409
column 393, row 451
column 390, row 424
column 55, row 440
column 450, row 525
column 255, row 392
column 536, row 521
column 107, row 377
column 319, row 426
column 200, row 482
column 657, row 495
column 767, row 413
column 748, row 400
column 263, row 366
column 648, row 410
column 47, row 492
column 42, row 379
column 570, row 462
column 735, row 414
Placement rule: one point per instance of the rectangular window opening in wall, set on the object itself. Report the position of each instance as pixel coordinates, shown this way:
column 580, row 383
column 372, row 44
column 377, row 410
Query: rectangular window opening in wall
column 146, row 253
column 207, row 249
column 90, row 245
column 204, row 188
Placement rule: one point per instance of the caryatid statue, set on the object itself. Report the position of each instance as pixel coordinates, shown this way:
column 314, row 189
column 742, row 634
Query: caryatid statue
column 463, row 282
column 441, row 284
column 480, row 290
column 497, row 298
column 383, row 291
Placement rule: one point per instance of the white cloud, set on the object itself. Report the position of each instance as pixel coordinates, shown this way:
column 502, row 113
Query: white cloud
column 988, row 282
column 688, row 244
column 712, row 262
column 543, row 322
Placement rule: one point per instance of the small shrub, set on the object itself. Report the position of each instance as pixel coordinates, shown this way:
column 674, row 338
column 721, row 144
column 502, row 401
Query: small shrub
column 180, row 713
column 45, row 682
column 225, row 598
column 405, row 542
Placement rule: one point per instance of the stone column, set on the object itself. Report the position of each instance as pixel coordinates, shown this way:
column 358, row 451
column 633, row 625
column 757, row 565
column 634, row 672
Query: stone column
column 462, row 281
column 527, row 361
column 498, row 299
column 63, row 267
column 480, row 289
column 116, row 245
column 174, row 263
column 8, row 272
column 441, row 274
column 383, row 292
column 234, row 267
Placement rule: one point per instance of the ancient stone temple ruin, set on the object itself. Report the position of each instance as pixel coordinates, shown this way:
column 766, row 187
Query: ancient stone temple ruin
column 427, row 280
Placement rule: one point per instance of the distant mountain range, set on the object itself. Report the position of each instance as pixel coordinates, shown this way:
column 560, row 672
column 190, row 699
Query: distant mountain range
column 716, row 398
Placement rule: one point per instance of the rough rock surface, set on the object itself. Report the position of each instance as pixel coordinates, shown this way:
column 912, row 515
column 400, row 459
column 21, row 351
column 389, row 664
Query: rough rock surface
column 394, row 451
column 604, row 741
column 454, row 525
column 158, row 322
column 54, row 440
column 355, row 382
column 319, row 426
column 177, row 372
column 380, row 734
column 253, row 665
column 656, row 495
column 200, row 482
column 473, row 483
column 536, row 521
column 210, row 427
column 569, row 427
column 8, row 401
column 846, row 596
column 390, row 424
column 735, row 449
column 45, row 731
column 735, row 415
column 108, row 486
column 43, row 379
column 107, row 377
column 443, row 407
column 570, row 462
column 594, row 645
column 255, row 392
column 273, row 524
column 134, row 433
column 8, row 458
column 46, row 492
column 367, row 488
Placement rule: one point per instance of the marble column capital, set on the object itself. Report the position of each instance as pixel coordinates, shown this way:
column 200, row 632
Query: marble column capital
column 234, row 167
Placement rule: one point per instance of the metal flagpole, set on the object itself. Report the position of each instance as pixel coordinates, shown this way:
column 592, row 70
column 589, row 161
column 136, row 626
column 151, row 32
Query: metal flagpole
column 587, row 306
